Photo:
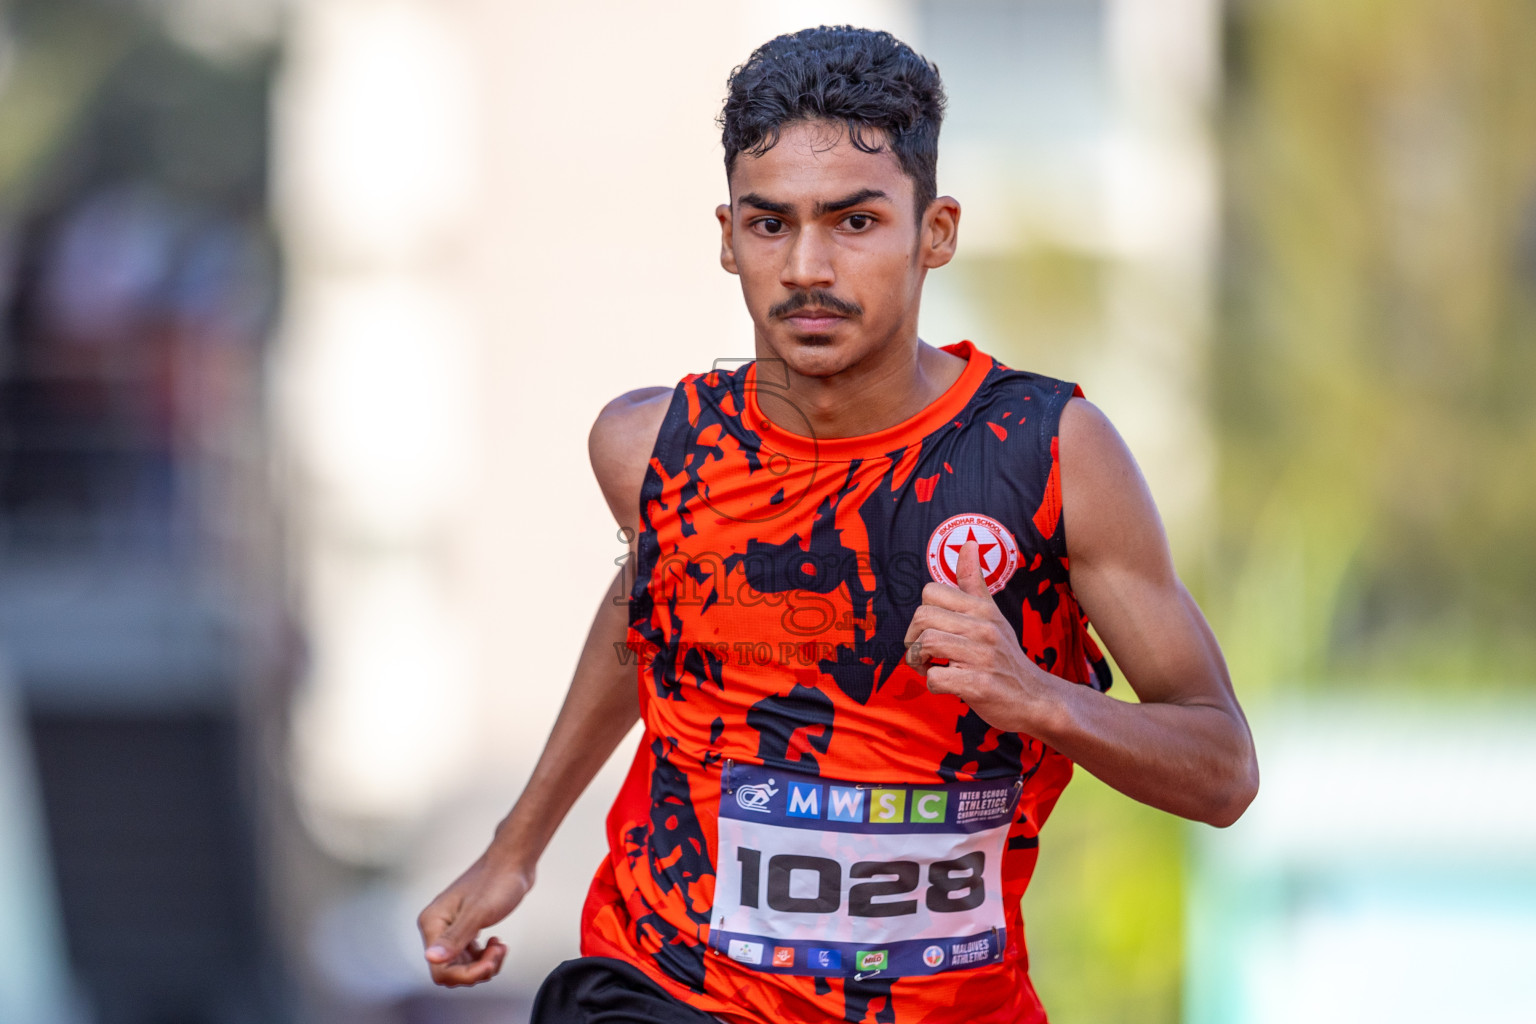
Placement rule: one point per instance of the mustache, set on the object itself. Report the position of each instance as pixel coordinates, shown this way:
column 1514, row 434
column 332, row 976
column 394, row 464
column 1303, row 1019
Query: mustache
column 818, row 298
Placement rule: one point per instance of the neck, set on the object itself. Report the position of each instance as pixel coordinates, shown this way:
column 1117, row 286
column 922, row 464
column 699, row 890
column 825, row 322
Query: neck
column 890, row 385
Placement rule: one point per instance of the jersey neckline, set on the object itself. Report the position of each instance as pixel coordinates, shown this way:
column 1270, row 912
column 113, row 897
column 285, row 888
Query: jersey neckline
column 893, row 438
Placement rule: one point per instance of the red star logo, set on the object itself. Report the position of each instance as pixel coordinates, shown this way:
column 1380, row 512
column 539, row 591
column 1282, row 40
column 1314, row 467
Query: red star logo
column 981, row 549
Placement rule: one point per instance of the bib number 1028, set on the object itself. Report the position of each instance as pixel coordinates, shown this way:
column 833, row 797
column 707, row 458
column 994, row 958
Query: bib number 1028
column 953, row 885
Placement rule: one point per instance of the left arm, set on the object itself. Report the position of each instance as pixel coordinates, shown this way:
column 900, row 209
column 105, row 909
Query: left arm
column 1186, row 747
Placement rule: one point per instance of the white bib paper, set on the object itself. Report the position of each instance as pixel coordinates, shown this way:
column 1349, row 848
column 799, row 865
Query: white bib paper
column 819, row 877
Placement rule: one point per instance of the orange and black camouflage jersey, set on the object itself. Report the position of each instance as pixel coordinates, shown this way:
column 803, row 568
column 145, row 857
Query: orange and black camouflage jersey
column 806, row 832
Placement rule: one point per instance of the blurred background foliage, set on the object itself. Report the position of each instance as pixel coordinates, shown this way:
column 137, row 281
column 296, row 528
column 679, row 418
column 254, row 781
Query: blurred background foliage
column 1370, row 393
column 1104, row 914
column 104, row 90
column 1371, row 381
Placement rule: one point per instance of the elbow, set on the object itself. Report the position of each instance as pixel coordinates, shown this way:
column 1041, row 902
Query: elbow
column 1228, row 802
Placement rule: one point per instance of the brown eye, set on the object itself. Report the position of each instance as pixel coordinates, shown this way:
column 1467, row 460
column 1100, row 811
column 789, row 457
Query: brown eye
column 859, row 221
column 771, row 225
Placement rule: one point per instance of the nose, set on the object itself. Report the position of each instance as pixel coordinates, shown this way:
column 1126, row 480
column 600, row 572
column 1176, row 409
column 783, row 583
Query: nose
column 808, row 261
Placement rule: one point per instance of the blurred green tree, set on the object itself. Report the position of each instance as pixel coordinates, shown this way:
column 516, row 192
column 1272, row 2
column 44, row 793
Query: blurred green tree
column 1371, row 400
column 1372, row 373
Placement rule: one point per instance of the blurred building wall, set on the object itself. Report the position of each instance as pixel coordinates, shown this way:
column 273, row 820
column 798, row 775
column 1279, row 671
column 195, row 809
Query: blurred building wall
column 498, row 218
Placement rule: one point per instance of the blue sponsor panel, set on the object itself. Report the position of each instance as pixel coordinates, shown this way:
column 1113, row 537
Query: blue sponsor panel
column 819, row 958
column 804, row 800
column 823, row 959
column 845, row 803
column 771, row 795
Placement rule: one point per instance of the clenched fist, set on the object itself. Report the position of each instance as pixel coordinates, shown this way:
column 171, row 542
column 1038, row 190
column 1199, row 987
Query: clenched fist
column 962, row 644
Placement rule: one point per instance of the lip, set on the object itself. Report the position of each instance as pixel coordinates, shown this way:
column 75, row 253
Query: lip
column 813, row 321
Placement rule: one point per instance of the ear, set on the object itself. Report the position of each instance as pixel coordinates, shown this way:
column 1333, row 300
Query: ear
column 941, row 229
column 727, row 254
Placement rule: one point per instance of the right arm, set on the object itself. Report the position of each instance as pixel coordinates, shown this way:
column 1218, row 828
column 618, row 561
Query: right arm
column 599, row 709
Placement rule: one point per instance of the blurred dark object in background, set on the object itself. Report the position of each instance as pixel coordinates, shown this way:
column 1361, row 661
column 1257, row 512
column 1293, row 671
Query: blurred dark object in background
column 141, row 594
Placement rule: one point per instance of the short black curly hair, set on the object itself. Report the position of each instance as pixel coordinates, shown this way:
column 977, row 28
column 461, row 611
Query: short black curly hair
column 857, row 76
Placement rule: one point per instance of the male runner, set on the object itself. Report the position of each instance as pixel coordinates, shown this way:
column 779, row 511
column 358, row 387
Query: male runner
column 863, row 570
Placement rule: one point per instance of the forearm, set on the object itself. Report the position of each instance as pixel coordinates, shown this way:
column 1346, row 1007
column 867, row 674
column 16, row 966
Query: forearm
column 1185, row 748
column 600, row 707
column 1193, row 760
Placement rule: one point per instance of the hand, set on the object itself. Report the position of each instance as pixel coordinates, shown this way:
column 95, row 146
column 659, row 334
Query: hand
column 962, row 644
column 449, row 926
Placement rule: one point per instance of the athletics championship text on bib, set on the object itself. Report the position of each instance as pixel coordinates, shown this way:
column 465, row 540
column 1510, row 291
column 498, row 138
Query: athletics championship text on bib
column 820, row 877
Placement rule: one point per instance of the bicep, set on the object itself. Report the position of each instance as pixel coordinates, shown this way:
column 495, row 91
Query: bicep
column 1122, row 572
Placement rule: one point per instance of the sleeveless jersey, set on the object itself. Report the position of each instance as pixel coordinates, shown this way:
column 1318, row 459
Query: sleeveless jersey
column 775, row 580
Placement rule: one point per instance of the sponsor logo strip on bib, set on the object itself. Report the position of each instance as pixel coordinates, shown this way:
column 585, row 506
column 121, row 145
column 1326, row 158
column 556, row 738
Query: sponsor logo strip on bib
column 821, row 877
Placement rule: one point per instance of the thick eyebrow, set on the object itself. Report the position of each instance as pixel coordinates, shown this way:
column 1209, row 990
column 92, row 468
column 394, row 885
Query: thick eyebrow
column 753, row 199
column 863, row 195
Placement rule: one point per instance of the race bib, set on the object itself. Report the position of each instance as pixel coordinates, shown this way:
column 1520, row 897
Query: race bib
column 819, row 877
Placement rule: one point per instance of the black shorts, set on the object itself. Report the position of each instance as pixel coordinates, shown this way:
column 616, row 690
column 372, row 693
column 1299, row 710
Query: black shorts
column 601, row 990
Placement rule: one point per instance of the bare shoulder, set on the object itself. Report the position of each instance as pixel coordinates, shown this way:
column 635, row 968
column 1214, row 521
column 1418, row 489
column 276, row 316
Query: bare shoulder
column 1107, row 507
column 620, row 445
column 1091, row 449
column 626, row 428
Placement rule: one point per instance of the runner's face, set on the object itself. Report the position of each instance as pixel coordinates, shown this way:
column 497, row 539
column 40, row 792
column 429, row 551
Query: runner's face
column 828, row 248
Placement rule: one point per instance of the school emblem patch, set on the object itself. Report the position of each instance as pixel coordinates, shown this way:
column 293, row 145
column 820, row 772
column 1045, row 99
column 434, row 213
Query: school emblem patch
column 998, row 551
